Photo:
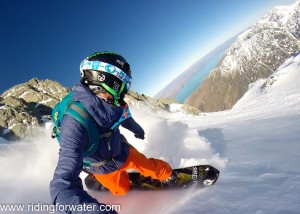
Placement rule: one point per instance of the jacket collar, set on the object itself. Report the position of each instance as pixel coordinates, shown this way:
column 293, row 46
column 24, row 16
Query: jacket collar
column 97, row 108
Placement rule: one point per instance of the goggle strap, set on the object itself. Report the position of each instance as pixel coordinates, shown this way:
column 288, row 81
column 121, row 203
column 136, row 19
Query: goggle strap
column 115, row 94
column 122, row 87
column 116, row 102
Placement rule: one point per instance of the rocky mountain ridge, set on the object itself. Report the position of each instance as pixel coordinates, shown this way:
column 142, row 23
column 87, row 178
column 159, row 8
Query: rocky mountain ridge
column 26, row 107
column 256, row 54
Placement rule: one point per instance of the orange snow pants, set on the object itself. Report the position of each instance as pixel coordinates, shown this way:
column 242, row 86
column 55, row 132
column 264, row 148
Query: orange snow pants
column 118, row 181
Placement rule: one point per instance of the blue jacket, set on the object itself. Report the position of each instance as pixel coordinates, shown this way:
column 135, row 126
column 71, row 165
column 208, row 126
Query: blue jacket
column 66, row 186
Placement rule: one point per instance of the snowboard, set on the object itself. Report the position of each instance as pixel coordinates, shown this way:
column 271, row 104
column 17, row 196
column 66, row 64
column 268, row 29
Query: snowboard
column 198, row 176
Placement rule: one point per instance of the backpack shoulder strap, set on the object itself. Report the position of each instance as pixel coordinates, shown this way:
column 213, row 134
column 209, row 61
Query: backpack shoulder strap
column 79, row 113
column 58, row 113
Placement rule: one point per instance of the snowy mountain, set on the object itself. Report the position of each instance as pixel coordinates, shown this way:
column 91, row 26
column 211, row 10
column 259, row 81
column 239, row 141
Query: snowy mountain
column 256, row 54
column 255, row 145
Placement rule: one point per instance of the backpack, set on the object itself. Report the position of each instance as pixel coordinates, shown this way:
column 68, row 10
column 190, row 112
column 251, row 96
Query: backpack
column 78, row 112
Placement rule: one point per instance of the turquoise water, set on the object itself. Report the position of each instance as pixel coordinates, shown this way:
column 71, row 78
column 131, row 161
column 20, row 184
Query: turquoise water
column 195, row 81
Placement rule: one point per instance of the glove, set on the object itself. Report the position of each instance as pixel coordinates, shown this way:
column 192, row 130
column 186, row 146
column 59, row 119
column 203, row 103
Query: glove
column 140, row 135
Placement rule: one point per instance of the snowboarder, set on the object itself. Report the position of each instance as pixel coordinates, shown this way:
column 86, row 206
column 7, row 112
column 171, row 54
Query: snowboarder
column 105, row 79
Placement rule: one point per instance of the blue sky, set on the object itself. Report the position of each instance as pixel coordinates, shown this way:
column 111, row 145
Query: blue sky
column 159, row 38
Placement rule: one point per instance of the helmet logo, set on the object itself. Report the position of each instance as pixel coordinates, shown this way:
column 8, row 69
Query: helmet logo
column 101, row 77
column 81, row 74
column 116, row 86
column 120, row 62
column 110, row 68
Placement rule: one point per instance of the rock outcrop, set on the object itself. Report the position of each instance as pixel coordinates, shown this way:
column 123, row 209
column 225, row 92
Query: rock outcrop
column 25, row 107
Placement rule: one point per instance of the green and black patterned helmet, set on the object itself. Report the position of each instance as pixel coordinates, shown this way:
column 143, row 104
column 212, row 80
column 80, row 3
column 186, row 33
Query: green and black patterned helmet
column 106, row 71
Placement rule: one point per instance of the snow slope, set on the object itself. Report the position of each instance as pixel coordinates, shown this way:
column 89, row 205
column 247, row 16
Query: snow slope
column 255, row 145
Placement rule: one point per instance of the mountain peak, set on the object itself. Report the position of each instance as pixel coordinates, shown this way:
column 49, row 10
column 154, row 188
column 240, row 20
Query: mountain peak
column 24, row 106
column 255, row 54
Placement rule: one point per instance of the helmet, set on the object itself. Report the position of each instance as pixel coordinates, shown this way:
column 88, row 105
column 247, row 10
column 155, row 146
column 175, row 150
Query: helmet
column 106, row 71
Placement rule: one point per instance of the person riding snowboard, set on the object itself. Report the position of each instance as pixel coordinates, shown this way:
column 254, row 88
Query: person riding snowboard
column 105, row 79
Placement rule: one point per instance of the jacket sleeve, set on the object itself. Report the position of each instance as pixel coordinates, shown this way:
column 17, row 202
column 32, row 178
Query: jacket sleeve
column 133, row 126
column 66, row 186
